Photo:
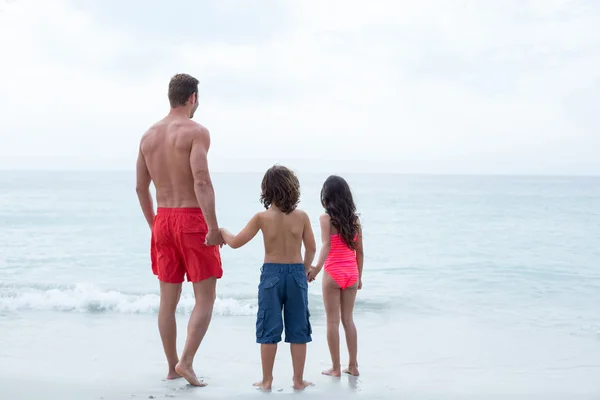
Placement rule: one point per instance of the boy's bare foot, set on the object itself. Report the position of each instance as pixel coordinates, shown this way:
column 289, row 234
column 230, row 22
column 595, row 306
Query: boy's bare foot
column 188, row 373
column 332, row 372
column 264, row 385
column 172, row 375
column 302, row 385
column 352, row 371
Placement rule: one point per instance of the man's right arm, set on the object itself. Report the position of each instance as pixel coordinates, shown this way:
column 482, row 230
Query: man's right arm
column 202, row 183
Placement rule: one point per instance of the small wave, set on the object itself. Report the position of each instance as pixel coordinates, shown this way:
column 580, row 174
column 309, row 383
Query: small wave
column 86, row 298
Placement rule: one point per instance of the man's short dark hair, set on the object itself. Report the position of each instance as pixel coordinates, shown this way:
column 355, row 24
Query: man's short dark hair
column 181, row 87
column 281, row 188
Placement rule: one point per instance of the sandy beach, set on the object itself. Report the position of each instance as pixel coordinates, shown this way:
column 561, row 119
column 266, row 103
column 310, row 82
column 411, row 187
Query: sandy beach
column 79, row 356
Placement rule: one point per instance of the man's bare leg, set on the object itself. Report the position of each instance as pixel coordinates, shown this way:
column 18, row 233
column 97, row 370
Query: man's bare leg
column 298, row 361
column 267, row 355
column 331, row 300
column 167, row 325
column 205, row 294
column 347, row 307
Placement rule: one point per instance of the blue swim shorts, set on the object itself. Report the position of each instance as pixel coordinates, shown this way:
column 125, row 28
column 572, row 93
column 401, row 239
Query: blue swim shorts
column 283, row 287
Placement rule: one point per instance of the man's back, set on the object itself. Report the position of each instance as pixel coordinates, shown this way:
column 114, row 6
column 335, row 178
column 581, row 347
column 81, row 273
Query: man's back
column 166, row 147
column 283, row 235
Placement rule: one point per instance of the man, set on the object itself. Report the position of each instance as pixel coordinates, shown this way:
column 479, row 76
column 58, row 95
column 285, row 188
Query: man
column 185, row 232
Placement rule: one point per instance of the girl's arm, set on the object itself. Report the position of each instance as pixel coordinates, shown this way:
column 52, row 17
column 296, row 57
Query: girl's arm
column 310, row 246
column 359, row 255
column 325, row 221
column 246, row 234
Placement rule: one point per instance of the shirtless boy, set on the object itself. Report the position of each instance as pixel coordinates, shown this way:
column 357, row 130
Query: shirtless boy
column 283, row 281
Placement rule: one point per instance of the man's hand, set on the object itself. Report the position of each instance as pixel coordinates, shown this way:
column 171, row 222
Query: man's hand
column 214, row 238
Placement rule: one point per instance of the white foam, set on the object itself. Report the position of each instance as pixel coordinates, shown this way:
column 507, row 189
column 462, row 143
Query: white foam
column 90, row 299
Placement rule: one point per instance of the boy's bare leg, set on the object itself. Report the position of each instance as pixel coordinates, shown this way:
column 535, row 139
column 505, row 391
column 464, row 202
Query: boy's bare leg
column 347, row 306
column 298, row 361
column 205, row 294
column 331, row 299
column 267, row 356
column 167, row 325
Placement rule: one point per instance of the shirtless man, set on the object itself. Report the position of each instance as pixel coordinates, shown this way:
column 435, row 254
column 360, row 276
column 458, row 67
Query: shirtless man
column 185, row 232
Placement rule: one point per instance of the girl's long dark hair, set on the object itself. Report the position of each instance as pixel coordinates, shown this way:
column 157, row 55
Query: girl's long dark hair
column 338, row 203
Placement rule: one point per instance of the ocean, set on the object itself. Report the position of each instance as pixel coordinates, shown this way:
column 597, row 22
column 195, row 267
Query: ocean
column 474, row 287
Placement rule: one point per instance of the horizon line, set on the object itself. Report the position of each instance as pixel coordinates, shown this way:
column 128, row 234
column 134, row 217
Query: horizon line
column 422, row 174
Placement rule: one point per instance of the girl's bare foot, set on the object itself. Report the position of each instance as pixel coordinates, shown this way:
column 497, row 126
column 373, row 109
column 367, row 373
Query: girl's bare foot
column 332, row 372
column 173, row 375
column 302, row 385
column 352, row 371
column 264, row 385
column 188, row 373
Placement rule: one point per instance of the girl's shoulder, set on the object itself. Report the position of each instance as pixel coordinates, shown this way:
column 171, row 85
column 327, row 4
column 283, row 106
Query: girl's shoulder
column 325, row 217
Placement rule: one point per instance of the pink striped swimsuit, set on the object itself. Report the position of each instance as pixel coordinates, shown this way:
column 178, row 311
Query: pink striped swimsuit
column 341, row 263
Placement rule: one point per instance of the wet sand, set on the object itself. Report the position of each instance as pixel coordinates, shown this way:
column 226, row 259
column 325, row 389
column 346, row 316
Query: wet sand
column 106, row 356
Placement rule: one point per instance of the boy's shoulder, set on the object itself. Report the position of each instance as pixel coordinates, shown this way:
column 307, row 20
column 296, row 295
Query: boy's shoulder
column 299, row 212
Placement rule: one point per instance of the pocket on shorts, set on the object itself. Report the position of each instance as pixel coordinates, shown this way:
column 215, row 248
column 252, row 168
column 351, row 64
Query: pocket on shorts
column 268, row 282
column 194, row 223
column 260, row 323
column 302, row 281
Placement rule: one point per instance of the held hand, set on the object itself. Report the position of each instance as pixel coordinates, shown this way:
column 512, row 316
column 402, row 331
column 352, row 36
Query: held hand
column 360, row 284
column 312, row 274
column 214, row 238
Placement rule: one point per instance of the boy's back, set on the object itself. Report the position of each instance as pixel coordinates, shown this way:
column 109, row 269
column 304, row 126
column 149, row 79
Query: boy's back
column 283, row 235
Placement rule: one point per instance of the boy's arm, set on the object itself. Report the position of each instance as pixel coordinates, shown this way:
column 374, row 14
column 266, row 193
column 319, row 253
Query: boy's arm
column 245, row 235
column 359, row 256
column 310, row 246
column 325, row 221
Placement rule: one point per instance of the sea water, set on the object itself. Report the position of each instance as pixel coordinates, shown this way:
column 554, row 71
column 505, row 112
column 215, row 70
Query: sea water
column 473, row 285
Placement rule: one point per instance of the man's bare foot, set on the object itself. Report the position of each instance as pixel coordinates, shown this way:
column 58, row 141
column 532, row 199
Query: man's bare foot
column 302, row 385
column 352, row 371
column 332, row 372
column 172, row 375
column 188, row 373
column 264, row 385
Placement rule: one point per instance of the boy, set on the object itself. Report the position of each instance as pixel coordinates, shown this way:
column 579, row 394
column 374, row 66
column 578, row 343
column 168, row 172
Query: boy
column 283, row 281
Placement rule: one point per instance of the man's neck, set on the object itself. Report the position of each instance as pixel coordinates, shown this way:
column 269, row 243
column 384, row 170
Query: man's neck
column 179, row 112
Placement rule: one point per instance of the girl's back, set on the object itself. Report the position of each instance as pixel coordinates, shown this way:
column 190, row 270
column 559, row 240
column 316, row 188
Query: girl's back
column 340, row 255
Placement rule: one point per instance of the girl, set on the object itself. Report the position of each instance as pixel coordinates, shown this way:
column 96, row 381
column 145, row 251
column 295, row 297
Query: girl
column 342, row 256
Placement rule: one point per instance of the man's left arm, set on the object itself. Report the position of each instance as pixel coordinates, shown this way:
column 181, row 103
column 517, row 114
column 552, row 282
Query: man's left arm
column 142, row 188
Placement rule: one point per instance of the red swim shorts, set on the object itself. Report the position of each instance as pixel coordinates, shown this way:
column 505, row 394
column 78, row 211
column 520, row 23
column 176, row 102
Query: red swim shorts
column 178, row 248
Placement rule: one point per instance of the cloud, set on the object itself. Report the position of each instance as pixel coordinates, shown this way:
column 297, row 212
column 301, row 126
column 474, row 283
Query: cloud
column 428, row 86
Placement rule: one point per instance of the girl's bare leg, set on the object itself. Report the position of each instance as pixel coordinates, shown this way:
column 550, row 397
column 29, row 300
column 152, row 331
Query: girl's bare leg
column 348, row 297
column 331, row 298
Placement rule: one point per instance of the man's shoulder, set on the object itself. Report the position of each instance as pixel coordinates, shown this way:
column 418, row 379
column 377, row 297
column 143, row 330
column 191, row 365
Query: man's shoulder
column 194, row 127
column 196, row 132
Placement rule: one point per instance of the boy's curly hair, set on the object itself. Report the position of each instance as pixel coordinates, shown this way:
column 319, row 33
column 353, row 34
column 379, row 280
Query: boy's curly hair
column 281, row 188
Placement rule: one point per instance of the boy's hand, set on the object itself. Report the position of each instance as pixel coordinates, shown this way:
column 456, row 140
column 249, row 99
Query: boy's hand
column 360, row 284
column 312, row 274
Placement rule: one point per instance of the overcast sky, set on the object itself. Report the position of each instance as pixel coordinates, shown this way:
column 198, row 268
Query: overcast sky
column 506, row 86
